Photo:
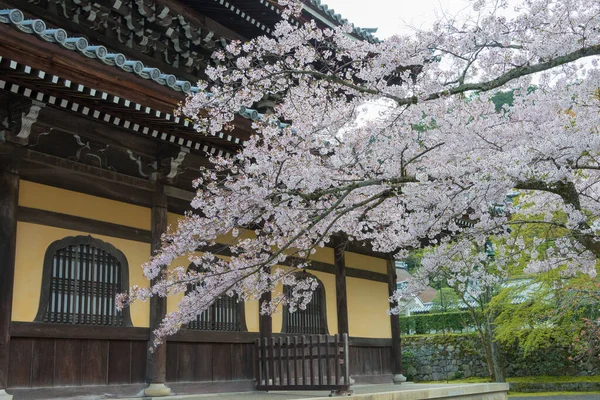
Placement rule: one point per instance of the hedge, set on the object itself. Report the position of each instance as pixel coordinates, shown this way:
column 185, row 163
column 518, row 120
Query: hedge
column 459, row 321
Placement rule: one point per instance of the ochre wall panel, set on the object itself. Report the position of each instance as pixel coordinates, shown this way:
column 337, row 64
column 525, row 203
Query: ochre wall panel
column 367, row 263
column 251, row 313
column 43, row 197
column 367, row 305
column 32, row 242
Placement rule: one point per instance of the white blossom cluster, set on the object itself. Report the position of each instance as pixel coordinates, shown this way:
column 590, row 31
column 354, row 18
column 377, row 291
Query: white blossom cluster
column 436, row 152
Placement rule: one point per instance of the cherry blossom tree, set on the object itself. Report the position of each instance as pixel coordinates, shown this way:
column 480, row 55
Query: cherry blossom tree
column 394, row 143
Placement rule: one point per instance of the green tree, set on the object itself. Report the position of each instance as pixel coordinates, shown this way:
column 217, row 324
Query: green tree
column 445, row 300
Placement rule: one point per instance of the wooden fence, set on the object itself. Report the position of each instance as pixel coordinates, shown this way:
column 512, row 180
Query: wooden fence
column 314, row 362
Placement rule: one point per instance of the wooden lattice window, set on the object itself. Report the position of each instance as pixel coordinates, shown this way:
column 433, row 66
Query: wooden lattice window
column 81, row 278
column 312, row 320
column 225, row 314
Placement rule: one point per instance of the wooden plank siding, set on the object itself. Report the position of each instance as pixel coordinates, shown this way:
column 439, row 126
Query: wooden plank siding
column 209, row 362
column 371, row 363
column 86, row 356
column 41, row 362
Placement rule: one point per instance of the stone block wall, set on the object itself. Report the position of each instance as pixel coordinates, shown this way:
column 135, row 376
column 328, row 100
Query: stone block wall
column 456, row 356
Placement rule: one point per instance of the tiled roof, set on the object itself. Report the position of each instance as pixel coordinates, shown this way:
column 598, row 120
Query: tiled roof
column 38, row 27
column 362, row 32
column 16, row 18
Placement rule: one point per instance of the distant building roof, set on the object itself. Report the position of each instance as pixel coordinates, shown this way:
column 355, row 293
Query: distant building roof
column 426, row 296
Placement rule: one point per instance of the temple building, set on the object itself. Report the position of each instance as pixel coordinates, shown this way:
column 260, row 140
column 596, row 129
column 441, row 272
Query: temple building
column 94, row 166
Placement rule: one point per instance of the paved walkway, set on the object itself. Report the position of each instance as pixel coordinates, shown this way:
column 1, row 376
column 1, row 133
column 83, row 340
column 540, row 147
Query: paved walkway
column 370, row 392
column 299, row 395
column 559, row 397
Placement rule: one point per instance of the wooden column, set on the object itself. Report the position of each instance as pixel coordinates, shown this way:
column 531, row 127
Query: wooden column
column 157, row 360
column 9, row 196
column 265, row 322
column 395, row 321
column 339, row 261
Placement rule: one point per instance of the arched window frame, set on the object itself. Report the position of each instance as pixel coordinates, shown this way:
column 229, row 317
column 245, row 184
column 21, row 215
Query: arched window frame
column 241, row 312
column 318, row 293
column 76, row 241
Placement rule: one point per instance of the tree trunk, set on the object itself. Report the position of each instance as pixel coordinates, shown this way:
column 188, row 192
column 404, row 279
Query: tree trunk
column 487, row 351
column 495, row 356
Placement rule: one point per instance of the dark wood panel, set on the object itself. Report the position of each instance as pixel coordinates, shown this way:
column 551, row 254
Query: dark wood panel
column 65, row 221
column 370, row 342
column 204, row 362
column 222, row 362
column 67, row 363
column 21, row 351
column 94, row 356
column 370, row 361
column 386, row 360
column 355, row 361
column 242, row 362
column 64, row 331
column 199, row 336
column 42, row 368
column 139, row 351
column 119, row 359
column 186, row 362
column 172, row 361
column 42, row 362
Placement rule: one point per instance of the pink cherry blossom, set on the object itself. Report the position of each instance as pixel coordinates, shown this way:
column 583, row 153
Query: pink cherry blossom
column 430, row 150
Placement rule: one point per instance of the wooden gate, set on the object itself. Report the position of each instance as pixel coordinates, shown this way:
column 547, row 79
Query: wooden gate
column 313, row 362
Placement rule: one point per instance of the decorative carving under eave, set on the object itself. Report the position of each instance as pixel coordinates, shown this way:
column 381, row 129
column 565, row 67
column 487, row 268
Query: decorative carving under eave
column 145, row 170
column 27, row 120
column 17, row 116
column 176, row 162
column 91, row 153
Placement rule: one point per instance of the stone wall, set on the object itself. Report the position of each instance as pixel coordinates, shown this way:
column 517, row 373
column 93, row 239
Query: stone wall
column 456, row 356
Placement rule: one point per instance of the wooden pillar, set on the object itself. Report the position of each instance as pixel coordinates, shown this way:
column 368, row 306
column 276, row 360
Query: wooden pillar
column 157, row 360
column 9, row 196
column 395, row 321
column 265, row 322
column 339, row 261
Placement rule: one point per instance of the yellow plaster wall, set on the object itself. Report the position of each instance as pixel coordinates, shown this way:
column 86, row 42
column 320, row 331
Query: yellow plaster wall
column 35, row 195
column 32, row 242
column 359, row 261
column 367, row 305
column 323, row 254
column 252, row 316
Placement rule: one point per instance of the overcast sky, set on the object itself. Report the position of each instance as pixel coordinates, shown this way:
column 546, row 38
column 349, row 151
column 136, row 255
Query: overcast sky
column 394, row 16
